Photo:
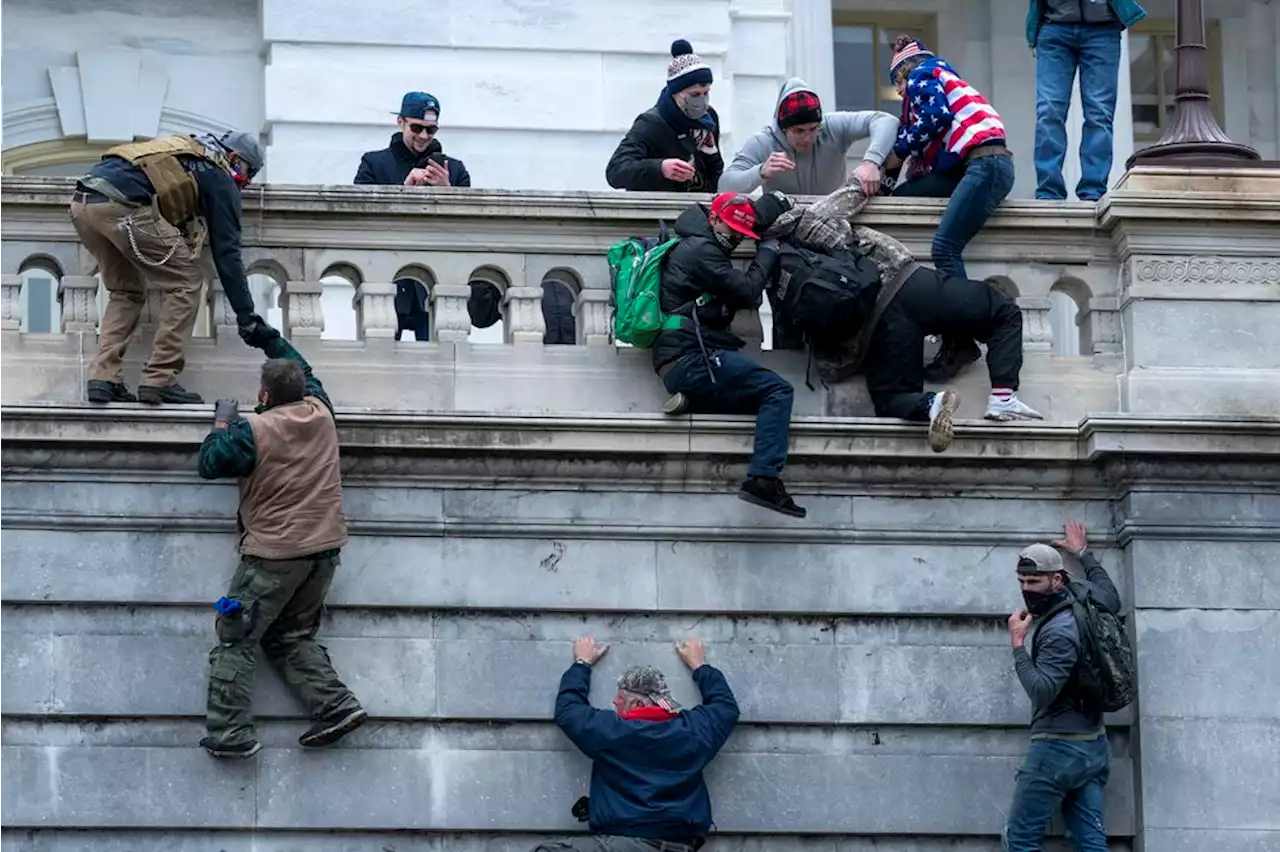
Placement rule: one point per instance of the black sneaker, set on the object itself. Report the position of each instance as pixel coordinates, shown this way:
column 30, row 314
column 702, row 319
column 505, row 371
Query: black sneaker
column 239, row 750
column 329, row 731
column 102, row 391
column 951, row 360
column 173, row 394
column 676, row 405
column 768, row 491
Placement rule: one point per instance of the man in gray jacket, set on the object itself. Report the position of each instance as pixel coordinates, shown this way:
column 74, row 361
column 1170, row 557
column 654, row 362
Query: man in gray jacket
column 803, row 151
column 1069, row 760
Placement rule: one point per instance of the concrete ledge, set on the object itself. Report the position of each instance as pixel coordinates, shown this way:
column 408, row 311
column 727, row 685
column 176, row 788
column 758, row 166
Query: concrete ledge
column 562, row 574
column 258, row 840
column 439, row 787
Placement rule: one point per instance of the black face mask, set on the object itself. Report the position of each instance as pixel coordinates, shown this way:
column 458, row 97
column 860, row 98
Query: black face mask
column 1038, row 603
column 730, row 243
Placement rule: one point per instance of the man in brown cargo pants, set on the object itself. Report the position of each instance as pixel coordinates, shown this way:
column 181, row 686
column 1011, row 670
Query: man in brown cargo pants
column 143, row 212
column 292, row 530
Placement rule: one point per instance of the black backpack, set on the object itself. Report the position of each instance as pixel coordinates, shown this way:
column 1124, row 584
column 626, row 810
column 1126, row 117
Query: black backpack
column 825, row 297
column 1105, row 676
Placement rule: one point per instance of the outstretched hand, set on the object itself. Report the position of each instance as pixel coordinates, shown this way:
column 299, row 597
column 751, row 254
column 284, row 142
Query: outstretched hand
column 1076, row 540
column 256, row 332
column 586, row 649
column 692, row 653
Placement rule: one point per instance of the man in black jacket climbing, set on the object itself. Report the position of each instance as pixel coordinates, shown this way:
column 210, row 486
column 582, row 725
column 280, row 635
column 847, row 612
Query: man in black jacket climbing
column 414, row 157
column 144, row 213
column 647, row 791
column 699, row 362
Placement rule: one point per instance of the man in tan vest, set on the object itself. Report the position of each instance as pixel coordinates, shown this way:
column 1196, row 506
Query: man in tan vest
column 144, row 213
column 292, row 529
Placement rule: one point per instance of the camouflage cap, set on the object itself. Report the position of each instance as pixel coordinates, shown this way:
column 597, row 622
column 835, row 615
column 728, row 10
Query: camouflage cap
column 651, row 683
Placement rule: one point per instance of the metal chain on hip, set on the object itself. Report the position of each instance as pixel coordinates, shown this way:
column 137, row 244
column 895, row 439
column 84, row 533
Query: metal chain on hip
column 128, row 229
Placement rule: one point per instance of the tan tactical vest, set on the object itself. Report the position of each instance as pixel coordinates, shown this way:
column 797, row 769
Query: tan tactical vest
column 291, row 505
column 177, row 195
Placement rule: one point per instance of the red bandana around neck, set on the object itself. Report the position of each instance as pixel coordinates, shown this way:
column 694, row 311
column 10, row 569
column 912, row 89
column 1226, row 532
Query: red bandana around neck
column 648, row 714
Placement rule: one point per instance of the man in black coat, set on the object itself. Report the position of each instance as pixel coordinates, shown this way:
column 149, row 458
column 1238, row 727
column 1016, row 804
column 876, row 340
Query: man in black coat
column 414, row 157
column 699, row 362
column 675, row 145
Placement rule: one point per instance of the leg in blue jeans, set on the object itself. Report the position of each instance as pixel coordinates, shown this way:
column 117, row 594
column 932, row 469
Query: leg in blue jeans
column 1057, row 58
column 986, row 182
column 1099, row 71
column 1066, row 774
column 741, row 387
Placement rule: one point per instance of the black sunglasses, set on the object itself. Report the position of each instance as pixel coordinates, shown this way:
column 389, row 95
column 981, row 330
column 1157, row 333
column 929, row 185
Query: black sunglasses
column 429, row 129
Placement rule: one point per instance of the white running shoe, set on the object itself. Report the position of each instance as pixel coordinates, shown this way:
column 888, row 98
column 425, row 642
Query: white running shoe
column 1012, row 408
column 941, row 412
column 676, row 405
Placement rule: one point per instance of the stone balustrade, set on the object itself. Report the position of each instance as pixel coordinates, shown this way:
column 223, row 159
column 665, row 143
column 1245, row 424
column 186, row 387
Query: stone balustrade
column 1134, row 268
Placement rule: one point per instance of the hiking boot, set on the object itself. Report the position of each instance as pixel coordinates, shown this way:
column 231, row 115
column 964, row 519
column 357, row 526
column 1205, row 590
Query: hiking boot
column 172, row 393
column 1010, row 408
column 941, row 411
column 769, row 492
column 102, row 391
column 676, row 405
column 335, row 727
column 240, row 750
column 951, row 361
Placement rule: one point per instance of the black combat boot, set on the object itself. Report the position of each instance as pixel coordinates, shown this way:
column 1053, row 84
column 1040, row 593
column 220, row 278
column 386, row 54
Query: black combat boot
column 333, row 728
column 240, row 750
column 768, row 491
column 953, row 356
column 172, row 394
column 102, row 391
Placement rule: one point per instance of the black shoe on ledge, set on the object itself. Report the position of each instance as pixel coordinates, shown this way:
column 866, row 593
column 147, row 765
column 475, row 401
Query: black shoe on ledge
column 333, row 728
column 238, row 750
column 769, row 492
column 951, row 360
column 172, row 394
column 102, row 391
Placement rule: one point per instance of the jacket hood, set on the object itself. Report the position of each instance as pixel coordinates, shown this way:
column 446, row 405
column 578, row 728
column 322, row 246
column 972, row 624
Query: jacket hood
column 794, row 84
column 694, row 222
column 931, row 63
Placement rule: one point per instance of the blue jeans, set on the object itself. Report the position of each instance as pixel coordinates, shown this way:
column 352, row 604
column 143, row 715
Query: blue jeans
column 1095, row 51
column 1065, row 773
column 741, row 387
column 975, row 195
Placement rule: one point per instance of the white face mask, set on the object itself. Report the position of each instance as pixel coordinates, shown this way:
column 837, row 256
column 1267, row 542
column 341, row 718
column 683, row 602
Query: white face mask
column 696, row 106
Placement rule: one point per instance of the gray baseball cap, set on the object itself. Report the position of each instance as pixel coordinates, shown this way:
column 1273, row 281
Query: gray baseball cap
column 246, row 145
column 1040, row 559
column 651, row 683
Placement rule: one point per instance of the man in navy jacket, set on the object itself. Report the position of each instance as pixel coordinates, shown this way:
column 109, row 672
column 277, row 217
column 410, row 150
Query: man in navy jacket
column 648, row 754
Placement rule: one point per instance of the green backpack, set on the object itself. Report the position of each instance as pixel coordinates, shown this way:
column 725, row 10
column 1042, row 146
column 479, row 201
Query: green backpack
column 635, row 273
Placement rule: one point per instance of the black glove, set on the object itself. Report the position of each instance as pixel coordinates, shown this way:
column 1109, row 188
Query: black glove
column 255, row 331
column 226, row 411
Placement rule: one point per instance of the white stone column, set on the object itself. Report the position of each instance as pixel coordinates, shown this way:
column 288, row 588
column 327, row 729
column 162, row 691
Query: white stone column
column 524, row 312
column 812, row 47
column 449, row 307
column 1037, row 330
column 10, row 302
column 78, row 295
column 301, row 304
column 222, row 318
column 593, row 317
column 375, row 311
column 1122, row 146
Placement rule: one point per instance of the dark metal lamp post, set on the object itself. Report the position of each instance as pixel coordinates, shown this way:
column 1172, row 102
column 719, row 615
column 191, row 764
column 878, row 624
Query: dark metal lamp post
column 1194, row 137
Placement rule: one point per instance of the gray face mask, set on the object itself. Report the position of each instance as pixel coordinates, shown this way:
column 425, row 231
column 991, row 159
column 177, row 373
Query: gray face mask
column 696, row 106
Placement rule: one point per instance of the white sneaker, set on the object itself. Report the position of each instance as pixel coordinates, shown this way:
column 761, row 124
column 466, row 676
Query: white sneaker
column 1010, row 409
column 941, row 411
column 676, row 405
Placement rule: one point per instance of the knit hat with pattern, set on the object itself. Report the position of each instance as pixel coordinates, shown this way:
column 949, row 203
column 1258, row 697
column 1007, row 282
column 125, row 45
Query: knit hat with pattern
column 686, row 68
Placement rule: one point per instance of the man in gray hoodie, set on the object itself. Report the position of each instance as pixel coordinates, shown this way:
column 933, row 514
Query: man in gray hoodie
column 1069, row 758
column 803, row 151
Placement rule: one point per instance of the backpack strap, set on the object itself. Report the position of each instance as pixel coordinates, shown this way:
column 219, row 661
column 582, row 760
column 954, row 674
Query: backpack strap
column 1049, row 616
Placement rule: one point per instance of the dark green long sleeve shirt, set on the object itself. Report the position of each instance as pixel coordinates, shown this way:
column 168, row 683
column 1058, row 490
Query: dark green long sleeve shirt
column 231, row 452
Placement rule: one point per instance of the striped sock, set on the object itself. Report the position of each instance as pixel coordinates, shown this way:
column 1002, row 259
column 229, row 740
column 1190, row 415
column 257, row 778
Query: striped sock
column 1002, row 394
